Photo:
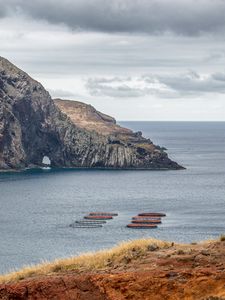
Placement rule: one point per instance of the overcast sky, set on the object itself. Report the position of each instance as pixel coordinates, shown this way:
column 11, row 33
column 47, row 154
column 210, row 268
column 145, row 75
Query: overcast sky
column 133, row 59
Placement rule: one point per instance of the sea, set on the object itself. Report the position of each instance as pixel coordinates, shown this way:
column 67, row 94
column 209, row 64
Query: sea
column 38, row 206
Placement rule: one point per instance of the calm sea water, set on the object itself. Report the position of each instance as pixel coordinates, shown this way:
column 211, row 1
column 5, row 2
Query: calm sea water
column 36, row 208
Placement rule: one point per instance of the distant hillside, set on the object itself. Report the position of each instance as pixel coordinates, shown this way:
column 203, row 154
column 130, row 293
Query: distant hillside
column 87, row 117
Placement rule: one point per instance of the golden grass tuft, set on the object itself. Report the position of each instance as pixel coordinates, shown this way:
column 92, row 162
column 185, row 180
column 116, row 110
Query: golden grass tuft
column 121, row 254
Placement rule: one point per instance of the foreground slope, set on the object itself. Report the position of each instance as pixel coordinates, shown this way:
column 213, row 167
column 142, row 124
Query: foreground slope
column 33, row 126
column 139, row 270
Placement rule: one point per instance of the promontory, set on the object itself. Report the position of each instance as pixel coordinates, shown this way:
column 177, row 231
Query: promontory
column 70, row 133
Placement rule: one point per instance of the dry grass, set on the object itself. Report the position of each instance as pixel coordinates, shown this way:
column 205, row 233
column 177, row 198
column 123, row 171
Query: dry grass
column 148, row 147
column 121, row 254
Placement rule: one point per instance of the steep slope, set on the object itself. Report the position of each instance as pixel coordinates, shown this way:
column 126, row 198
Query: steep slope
column 87, row 117
column 32, row 126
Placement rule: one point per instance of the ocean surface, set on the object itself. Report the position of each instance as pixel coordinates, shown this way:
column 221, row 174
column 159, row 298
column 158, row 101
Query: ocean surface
column 36, row 208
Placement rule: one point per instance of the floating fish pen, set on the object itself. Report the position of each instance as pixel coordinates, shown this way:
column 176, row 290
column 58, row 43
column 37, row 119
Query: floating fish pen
column 76, row 225
column 152, row 214
column 146, row 218
column 86, row 226
column 103, row 214
column 146, row 221
column 142, row 226
column 91, row 222
column 97, row 217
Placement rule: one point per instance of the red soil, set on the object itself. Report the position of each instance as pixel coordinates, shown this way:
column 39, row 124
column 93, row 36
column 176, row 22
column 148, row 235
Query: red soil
column 191, row 272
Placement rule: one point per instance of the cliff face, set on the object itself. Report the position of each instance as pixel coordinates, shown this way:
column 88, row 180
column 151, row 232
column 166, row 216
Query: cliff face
column 33, row 126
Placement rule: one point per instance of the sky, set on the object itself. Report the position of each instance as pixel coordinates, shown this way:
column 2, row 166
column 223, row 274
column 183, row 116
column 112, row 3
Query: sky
column 135, row 60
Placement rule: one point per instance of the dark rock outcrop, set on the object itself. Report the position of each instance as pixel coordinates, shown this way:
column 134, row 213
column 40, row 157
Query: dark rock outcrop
column 33, row 126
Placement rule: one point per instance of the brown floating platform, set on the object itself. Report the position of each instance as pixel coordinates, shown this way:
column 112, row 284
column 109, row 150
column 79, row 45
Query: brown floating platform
column 97, row 217
column 91, row 222
column 142, row 226
column 103, row 214
column 146, row 222
column 152, row 214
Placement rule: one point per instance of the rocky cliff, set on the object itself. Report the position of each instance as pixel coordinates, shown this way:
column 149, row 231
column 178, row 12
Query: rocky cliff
column 71, row 134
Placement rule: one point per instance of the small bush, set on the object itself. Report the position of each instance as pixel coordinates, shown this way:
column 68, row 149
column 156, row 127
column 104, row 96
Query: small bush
column 222, row 238
column 180, row 252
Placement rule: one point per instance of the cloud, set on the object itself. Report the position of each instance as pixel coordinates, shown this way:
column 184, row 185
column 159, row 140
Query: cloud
column 164, row 86
column 194, row 83
column 186, row 17
column 219, row 77
column 125, row 87
column 60, row 93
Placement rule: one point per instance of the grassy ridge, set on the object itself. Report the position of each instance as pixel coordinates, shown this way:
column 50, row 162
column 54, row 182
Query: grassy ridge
column 103, row 259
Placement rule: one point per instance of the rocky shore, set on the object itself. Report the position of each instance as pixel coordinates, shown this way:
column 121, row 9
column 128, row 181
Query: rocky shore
column 139, row 270
column 71, row 134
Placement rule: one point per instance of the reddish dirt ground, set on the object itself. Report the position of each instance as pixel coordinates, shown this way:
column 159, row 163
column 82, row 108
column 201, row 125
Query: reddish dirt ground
column 195, row 272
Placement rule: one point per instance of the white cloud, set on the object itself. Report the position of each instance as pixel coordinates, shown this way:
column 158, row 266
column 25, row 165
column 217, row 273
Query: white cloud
column 165, row 86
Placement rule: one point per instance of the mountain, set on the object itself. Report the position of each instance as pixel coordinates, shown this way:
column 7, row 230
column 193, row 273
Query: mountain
column 70, row 134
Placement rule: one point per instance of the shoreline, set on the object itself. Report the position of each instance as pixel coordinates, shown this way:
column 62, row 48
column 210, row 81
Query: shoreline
column 15, row 171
